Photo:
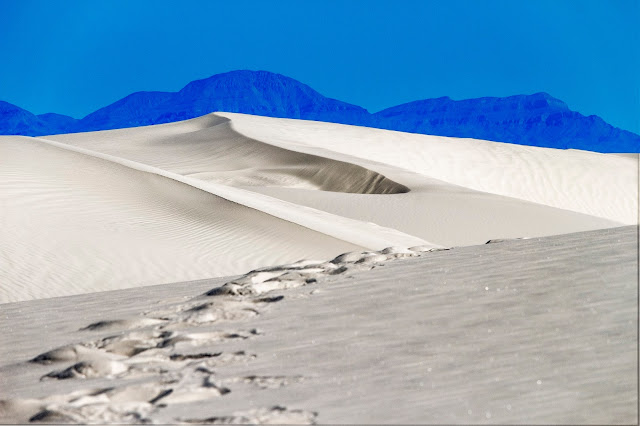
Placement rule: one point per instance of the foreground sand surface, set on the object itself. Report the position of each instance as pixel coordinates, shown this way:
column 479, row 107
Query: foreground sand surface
column 225, row 193
column 535, row 331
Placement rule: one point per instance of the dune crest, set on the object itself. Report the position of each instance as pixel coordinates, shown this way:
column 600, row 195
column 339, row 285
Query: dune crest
column 211, row 150
column 601, row 185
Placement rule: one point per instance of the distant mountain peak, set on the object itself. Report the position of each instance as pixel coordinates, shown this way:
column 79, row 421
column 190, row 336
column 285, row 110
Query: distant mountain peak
column 537, row 119
column 6, row 106
column 243, row 78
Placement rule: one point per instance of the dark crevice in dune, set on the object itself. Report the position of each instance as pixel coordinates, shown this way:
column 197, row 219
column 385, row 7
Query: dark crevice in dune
column 238, row 160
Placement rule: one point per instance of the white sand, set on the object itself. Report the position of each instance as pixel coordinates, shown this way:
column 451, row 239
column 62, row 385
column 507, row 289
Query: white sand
column 74, row 224
column 602, row 185
column 547, row 334
column 225, row 193
column 540, row 330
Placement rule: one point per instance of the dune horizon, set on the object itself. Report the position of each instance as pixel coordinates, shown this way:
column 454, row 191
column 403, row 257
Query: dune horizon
column 225, row 193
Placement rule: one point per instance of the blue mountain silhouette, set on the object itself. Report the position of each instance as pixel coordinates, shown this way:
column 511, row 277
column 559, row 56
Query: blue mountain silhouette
column 17, row 121
column 249, row 92
column 538, row 119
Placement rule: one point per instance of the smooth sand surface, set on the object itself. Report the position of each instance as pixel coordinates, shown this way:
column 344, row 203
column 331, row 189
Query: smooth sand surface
column 225, row 193
column 603, row 185
column 537, row 331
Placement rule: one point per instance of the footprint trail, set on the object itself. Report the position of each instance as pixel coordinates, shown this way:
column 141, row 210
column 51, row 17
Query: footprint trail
column 164, row 356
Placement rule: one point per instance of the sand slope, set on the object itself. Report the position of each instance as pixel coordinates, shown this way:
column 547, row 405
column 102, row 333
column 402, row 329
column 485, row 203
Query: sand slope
column 225, row 193
column 73, row 224
column 305, row 162
column 602, row 185
column 546, row 335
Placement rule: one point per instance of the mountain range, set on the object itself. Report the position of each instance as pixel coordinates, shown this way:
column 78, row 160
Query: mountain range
column 536, row 120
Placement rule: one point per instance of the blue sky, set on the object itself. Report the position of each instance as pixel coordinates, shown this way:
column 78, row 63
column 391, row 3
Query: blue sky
column 73, row 57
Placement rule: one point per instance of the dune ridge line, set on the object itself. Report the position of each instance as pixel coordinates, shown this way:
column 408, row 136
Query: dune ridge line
column 365, row 234
column 596, row 184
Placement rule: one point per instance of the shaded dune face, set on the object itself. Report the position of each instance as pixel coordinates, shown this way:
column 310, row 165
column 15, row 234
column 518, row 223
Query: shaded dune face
column 601, row 185
column 227, row 157
column 209, row 149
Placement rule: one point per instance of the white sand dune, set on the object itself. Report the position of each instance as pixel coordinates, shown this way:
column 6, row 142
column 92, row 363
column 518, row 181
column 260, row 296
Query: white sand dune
column 226, row 193
column 291, row 160
column 74, row 223
column 602, row 185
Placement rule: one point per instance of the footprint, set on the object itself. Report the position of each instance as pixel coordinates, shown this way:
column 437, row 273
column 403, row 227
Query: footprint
column 90, row 369
column 398, row 252
column 202, row 310
column 68, row 353
column 211, row 312
column 373, row 259
column 132, row 343
column 126, row 324
column 250, row 287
